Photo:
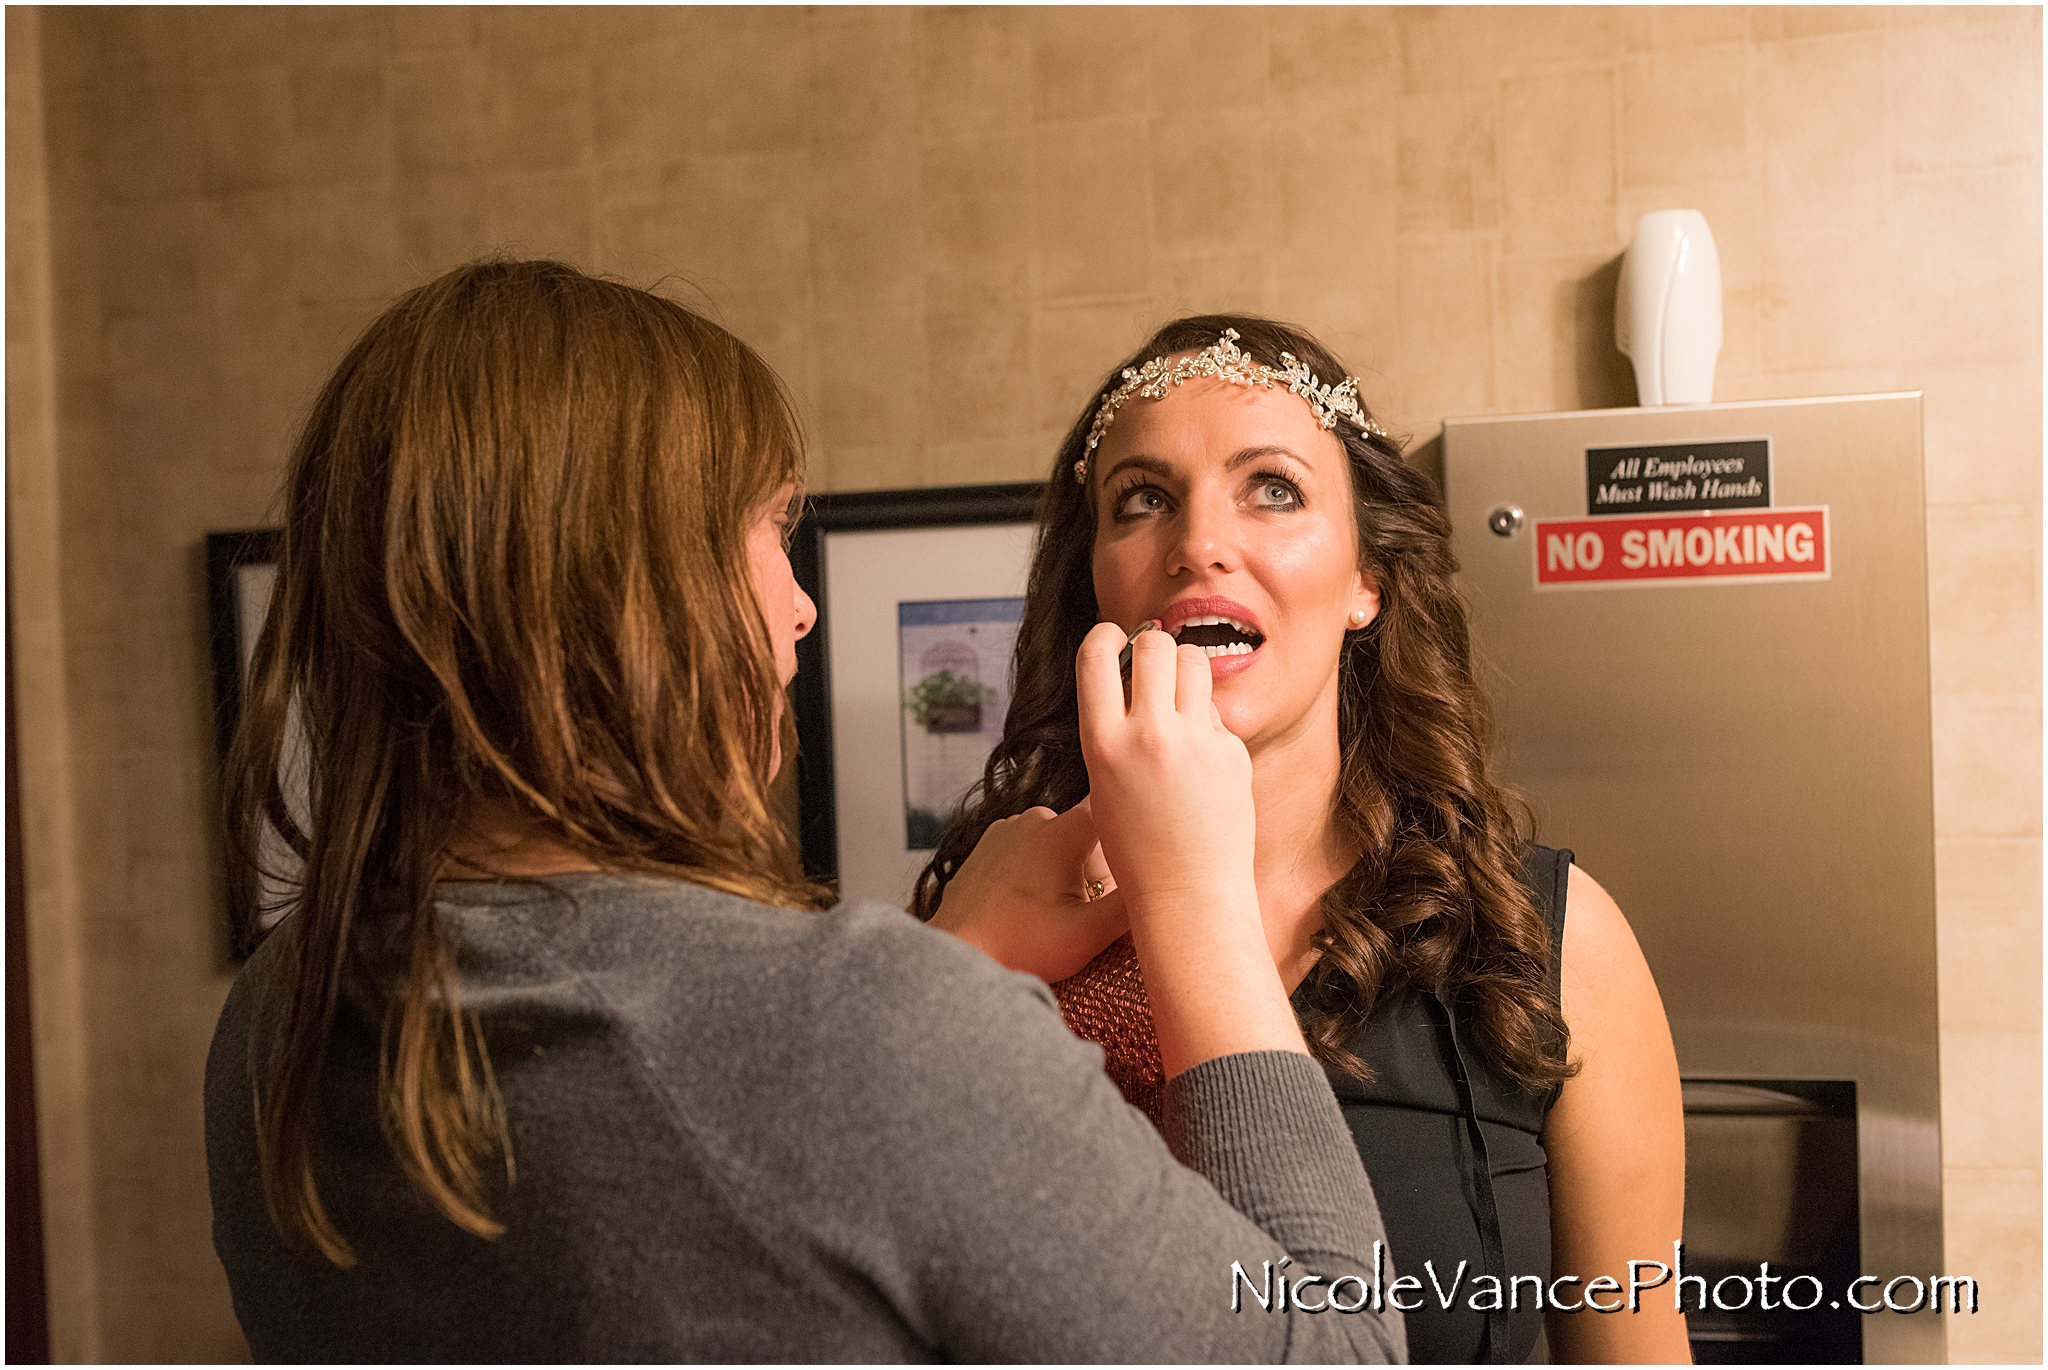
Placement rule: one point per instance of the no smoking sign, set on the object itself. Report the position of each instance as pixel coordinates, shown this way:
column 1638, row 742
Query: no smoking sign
column 1726, row 547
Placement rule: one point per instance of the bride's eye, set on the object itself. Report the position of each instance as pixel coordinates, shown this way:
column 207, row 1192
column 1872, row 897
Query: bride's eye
column 1139, row 501
column 1273, row 492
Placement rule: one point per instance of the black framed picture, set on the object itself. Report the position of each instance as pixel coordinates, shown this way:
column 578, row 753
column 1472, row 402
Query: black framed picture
column 241, row 572
column 902, row 685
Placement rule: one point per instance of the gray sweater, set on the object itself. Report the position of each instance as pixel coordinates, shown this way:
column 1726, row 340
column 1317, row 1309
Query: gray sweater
column 747, row 1134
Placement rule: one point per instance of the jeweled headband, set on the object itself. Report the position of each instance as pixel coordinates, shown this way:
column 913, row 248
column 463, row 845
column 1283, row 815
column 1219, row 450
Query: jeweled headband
column 1225, row 360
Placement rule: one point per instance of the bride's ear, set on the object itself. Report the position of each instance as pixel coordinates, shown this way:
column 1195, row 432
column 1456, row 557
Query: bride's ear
column 1365, row 601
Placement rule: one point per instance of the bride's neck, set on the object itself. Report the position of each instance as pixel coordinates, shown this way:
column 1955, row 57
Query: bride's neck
column 1301, row 850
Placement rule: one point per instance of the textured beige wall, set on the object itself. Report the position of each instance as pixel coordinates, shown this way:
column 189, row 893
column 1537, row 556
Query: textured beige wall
column 37, row 638
column 941, row 225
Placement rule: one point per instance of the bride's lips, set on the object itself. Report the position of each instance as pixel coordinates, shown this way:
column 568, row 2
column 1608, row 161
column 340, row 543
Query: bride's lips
column 1178, row 613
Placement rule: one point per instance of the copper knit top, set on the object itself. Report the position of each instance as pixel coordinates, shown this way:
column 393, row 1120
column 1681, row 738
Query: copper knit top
column 1104, row 1002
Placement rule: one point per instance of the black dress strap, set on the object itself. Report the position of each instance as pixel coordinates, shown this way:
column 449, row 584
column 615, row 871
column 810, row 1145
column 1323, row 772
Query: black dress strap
column 1494, row 1347
column 1560, row 895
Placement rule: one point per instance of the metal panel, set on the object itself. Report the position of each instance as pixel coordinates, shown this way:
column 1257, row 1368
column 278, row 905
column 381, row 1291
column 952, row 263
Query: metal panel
column 1747, row 768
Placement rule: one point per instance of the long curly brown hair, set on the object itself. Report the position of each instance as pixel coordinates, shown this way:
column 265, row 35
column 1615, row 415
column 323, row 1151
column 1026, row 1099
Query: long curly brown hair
column 1436, row 896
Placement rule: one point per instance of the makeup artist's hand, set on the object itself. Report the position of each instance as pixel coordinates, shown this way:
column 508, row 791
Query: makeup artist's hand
column 1172, row 787
column 1024, row 896
column 1171, row 790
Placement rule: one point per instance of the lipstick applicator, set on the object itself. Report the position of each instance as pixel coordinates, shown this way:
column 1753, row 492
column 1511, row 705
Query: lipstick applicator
column 1123, row 659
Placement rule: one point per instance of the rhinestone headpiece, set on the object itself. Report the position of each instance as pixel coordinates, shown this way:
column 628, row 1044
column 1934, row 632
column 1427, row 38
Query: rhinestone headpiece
column 1225, row 360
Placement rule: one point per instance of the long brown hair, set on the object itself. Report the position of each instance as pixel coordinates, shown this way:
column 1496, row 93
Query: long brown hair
column 1436, row 895
column 513, row 558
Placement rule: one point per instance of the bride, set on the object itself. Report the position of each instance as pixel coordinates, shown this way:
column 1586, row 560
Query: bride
column 1495, row 1038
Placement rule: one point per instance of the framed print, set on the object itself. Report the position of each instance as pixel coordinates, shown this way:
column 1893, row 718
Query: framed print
column 903, row 684
column 241, row 572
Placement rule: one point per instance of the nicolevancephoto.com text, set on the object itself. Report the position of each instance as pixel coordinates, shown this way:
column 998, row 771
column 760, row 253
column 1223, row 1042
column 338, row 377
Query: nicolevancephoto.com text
column 1276, row 1291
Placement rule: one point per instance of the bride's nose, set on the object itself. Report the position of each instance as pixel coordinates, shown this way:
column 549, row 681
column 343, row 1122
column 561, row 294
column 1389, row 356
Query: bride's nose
column 1204, row 541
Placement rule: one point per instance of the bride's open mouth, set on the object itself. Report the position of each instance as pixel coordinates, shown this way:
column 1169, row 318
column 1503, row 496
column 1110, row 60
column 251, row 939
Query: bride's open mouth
column 1219, row 636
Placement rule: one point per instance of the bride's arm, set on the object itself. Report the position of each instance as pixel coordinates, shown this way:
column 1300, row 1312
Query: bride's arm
column 1615, row 1140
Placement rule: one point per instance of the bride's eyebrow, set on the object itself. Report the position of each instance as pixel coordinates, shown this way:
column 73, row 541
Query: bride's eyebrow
column 1140, row 463
column 1251, row 454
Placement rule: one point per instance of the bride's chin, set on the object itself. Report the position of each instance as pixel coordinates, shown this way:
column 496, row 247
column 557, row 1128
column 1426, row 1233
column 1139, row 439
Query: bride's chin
column 1239, row 717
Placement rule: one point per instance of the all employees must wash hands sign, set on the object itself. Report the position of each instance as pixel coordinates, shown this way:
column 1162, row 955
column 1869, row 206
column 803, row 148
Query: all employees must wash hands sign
column 1681, row 512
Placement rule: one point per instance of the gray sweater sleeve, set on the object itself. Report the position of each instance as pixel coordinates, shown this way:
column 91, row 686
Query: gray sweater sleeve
column 1259, row 1127
column 1014, row 1207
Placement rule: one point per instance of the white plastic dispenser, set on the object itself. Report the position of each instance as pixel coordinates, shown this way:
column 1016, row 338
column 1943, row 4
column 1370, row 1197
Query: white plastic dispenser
column 1667, row 308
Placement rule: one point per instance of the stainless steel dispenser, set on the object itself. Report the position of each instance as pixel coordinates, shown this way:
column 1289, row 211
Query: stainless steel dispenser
column 1704, row 629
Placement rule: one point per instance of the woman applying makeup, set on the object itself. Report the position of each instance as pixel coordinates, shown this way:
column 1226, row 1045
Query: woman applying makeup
column 556, row 1056
column 1485, row 1014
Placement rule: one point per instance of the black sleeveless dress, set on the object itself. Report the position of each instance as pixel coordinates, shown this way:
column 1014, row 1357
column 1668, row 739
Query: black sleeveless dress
column 1423, row 1131
column 1451, row 1145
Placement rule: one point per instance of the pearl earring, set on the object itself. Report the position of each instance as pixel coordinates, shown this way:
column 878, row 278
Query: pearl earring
column 1358, row 618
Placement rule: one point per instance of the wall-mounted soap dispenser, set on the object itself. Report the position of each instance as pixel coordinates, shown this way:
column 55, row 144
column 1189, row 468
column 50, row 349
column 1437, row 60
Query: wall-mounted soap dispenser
column 1667, row 308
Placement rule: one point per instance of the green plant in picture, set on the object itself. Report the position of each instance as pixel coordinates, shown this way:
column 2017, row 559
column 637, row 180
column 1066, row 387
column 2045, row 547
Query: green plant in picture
column 946, row 703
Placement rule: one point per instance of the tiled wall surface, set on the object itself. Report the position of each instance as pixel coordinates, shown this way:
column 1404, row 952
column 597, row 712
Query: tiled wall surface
column 942, row 225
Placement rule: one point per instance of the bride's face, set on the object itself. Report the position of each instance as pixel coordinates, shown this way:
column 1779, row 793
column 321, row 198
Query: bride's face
column 1224, row 511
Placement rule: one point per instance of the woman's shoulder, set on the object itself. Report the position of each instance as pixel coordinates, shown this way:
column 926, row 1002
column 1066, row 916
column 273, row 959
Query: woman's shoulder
column 845, row 973
column 684, row 985
column 767, row 1029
